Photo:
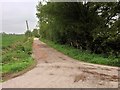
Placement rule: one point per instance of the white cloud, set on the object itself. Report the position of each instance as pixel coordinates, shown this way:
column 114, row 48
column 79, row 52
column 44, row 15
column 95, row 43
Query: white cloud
column 0, row 17
column 18, row 0
column 14, row 15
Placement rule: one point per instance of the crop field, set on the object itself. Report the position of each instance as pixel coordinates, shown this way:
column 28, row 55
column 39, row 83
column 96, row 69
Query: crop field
column 16, row 54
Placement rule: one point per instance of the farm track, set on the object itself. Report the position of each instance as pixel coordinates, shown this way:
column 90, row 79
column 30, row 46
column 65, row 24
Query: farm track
column 56, row 70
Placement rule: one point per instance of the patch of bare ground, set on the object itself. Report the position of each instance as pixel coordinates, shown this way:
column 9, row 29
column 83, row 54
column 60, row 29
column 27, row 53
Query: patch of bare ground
column 80, row 77
column 103, row 76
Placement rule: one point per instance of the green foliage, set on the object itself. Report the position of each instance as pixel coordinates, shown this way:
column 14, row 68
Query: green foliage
column 17, row 66
column 28, row 33
column 7, row 40
column 16, row 56
column 91, row 26
column 83, row 55
column 35, row 32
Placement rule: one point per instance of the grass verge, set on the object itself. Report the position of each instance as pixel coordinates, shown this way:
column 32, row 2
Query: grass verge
column 16, row 56
column 83, row 55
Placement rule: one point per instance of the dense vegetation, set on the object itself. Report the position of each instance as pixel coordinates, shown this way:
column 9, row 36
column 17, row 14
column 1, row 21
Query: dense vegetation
column 34, row 33
column 82, row 55
column 16, row 53
column 92, row 27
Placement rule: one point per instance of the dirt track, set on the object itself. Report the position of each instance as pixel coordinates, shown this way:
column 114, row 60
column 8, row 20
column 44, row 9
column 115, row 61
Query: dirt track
column 56, row 70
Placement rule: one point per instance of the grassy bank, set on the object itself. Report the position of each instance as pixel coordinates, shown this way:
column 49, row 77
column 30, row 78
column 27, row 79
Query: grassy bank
column 16, row 54
column 83, row 55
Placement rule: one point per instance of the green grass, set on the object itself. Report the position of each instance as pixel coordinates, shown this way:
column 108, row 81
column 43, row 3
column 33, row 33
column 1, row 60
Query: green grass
column 16, row 53
column 83, row 55
column 17, row 66
column 8, row 40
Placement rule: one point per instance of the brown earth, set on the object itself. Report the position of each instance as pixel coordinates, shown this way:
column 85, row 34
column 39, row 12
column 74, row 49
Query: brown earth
column 56, row 70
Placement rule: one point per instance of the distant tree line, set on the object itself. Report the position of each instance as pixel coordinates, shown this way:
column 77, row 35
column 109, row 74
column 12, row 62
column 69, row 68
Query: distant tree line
column 34, row 33
column 93, row 26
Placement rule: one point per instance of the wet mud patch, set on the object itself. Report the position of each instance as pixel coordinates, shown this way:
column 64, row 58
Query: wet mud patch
column 42, row 46
column 51, row 74
column 81, row 77
column 102, row 76
column 85, row 68
column 62, row 58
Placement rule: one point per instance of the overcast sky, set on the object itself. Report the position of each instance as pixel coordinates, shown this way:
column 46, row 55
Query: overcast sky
column 15, row 12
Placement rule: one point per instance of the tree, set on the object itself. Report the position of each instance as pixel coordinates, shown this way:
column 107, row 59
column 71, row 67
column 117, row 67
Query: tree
column 28, row 33
column 89, row 26
column 35, row 32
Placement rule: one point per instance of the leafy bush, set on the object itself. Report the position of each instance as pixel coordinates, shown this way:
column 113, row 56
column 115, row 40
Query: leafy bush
column 83, row 26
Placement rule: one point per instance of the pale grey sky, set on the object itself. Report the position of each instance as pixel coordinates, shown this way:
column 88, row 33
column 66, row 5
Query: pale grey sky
column 15, row 12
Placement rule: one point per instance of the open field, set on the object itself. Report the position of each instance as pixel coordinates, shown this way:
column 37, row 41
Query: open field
column 16, row 54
